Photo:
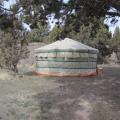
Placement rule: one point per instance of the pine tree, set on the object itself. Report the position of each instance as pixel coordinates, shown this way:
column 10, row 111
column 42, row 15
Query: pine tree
column 55, row 34
column 32, row 11
column 83, row 35
column 103, row 35
column 116, row 38
column 102, row 40
column 116, row 42
column 38, row 34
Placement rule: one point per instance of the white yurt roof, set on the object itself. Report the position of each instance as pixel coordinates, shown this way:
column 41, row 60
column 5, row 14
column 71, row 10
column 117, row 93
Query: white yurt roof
column 66, row 45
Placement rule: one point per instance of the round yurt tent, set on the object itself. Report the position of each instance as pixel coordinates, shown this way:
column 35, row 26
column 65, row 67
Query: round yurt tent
column 66, row 58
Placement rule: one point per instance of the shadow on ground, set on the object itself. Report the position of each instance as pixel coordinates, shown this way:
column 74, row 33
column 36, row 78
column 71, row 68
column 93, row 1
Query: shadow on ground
column 75, row 98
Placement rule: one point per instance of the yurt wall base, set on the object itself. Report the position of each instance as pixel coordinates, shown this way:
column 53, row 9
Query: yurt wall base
column 79, row 73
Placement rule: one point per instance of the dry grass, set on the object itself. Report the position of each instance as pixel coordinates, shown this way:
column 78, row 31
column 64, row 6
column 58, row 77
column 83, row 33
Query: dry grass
column 104, row 111
column 7, row 75
column 17, row 101
column 61, row 98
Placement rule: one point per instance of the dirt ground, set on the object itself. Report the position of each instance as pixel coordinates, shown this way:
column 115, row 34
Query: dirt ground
column 33, row 97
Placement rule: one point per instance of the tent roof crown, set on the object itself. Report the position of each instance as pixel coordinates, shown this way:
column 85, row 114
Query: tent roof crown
column 66, row 45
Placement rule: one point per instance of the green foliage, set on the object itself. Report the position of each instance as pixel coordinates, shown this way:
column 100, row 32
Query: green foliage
column 38, row 34
column 84, row 35
column 116, row 38
column 116, row 42
column 37, row 10
column 103, row 35
column 102, row 41
column 91, row 33
column 55, row 34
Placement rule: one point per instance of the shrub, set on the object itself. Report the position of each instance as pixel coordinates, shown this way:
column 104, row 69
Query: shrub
column 13, row 47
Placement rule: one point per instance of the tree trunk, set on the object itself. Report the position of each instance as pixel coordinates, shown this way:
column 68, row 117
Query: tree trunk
column 15, row 69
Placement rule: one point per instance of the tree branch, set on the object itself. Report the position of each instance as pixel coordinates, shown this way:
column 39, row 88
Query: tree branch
column 113, row 14
column 5, row 8
column 11, row 10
